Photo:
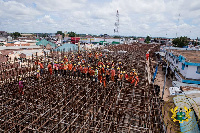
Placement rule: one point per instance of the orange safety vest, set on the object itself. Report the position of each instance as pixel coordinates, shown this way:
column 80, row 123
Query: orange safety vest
column 50, row 67
column 65, row 67
column 70, row 67
column 107, row 72
column 90, row 55
column 41, row 66
column 74, row 69
column 113, row 72
column 91, row 72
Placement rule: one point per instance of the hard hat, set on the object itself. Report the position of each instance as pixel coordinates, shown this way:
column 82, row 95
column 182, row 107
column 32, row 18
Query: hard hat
column 65, row 56
column 88, row 64
column 135, row 73
column 133, row 69
column 91, row 67
column 20, row 79
column 119, row 62
column 83, row 65
column 69, row 61
column 121, row 72
column 107, row 66
column 49, row 62
column 100, row 66
column 103, row 65
column 124, row 72
column 106, row 61
column 61, row 61
column 118, row 68
column 38, row 70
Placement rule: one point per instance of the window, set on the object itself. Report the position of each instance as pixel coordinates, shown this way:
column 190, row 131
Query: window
column 198, row 69
column 176, row 61
column 183, row 66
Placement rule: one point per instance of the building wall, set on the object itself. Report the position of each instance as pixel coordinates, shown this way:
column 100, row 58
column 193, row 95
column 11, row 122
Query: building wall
column 191, row 73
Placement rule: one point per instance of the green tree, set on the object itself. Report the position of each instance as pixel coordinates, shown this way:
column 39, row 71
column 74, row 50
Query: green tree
column 116, row 37
column 16, row 35
column 147, row 40
column 61, row 33
column 71, row 34
column 180, row 41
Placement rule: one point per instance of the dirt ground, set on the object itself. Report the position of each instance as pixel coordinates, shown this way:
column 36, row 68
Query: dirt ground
column 160, row 81
column 160, row 77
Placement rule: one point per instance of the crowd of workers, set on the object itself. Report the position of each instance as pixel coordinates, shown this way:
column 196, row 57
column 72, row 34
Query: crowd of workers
column 95, row 68
column 102, row 71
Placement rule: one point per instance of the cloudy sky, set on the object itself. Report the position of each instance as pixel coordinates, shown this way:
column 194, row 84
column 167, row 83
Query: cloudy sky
column 137, row 17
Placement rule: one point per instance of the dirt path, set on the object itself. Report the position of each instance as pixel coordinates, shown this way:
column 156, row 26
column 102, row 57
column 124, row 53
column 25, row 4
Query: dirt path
column 160, row 77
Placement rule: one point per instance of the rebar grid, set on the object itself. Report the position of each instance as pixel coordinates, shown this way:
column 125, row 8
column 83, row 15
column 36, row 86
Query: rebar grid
column 63, row 104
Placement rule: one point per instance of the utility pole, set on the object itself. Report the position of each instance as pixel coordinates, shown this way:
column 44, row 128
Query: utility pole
column 116, row 29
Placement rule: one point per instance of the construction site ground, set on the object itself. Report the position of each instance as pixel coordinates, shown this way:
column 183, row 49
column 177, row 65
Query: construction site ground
column 160, row 77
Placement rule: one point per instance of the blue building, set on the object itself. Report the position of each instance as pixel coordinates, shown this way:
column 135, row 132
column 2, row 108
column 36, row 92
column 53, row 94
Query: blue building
column 185, row 63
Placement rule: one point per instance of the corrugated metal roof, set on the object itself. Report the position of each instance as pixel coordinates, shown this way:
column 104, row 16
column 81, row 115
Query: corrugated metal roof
column 67, row 47
column 19, row 47
column 45, row 42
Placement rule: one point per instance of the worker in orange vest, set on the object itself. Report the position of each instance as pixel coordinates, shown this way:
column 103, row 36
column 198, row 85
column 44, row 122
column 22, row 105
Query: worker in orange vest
column 120, row 78
column 50, row 68
column 113, row 74
column 79, row 69
column 96, row 56
column 65, row 59
column 100, row 55
column 91, row 74
column 65, row 68
column 85, row 69
column 135, row 79
column 83, row 61
column 70, row 69
column 88, row 71
column 107, row 74
column 132, row 75
column 107, row 63
column 147, row 55
column 126, row 76
column 113, row 64
column 90, row 56
column 41, row 67
column 100, row 74
column 100, row 63
column 61, row 68
column 74, row 71
column 38, row 74
column 103, row 69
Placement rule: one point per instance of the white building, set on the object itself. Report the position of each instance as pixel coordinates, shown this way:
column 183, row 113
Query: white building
column 185, row 64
